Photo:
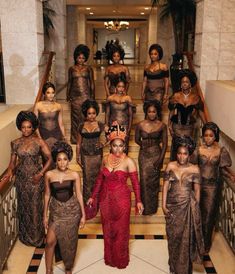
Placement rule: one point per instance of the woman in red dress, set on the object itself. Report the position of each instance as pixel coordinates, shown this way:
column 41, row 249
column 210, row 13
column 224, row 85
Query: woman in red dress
column 114, row 198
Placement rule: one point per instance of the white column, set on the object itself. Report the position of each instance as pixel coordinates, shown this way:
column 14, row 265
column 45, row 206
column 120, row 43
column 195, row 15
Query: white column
column 152, row 29
column 81, row 22
column 215, row 40
column 22, row 45
column 58, row 40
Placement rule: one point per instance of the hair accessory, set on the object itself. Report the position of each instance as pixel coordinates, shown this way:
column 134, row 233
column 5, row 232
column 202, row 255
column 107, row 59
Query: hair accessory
column 116, row 132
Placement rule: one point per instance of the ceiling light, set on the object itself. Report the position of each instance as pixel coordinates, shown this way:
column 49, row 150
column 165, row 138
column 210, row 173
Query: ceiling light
column 91, row 13
column 88, row 8
column 142, row 13
column 146, row 8
column 116, row 25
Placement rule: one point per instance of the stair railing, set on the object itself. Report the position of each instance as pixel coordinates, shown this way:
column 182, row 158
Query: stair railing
column 8, row 197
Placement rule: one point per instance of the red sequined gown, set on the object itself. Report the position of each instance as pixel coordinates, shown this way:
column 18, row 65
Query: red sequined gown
column 114, row 198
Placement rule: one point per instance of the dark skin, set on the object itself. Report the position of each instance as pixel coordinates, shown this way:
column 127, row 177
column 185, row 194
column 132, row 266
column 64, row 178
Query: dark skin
column 90, row 125
column 154, row 66
column 27, row 137
column 181, row 168
column 186, row 97
column 120, row 97
column 211, row 149
column 115, row 68
column 152, row 124
column 127, row 165
column 80, row 66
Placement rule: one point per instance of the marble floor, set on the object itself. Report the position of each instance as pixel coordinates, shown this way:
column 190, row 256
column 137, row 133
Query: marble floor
column 148, row 254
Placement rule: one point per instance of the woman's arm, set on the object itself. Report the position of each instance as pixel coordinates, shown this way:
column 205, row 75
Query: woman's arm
column 143, row 87
column 78, row 149
column 36, row 112
column 60, row 120
column 166, row 83
column 128, row 78
column 10, row 170
column 137, row 135
column 92, row 82
column 130, row 115
column 196, row 188
column 165, row 189
column 106, row 82
column 47, row 155
column 47, row 195
column 164, row 146
column 107, row 113
column 80, row 198
column 69, row 84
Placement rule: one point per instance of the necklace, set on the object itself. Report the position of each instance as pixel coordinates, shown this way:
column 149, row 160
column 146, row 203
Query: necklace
column 115, row 161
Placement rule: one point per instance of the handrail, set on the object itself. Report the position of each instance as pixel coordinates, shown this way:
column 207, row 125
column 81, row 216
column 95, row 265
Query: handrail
column 8, row 192
column 45, row 77
column 189, row 56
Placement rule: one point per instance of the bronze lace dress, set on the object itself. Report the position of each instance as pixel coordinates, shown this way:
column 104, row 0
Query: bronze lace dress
column 113, row 79
column 91, row 158
column 29, row 195
column 150, row 151
column 120, row 112
column 49, row 128
column 183, row 223
column 79, row 92
column 211, row 190
column 64, row 219
column 183, row 121
column 155, row 87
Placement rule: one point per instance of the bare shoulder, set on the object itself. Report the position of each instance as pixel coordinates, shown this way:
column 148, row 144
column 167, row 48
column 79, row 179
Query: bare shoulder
column 130, row 162
column 194, row 168
column 74, row 174
column 171, row 165
column 163, row 66
column 146, row 67
column 128, row 98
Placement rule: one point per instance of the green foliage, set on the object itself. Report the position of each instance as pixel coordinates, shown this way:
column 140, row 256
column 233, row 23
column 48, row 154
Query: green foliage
column 182, row 13
column 48, row 12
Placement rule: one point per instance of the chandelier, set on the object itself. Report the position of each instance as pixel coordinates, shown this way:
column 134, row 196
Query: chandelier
column 116, row 25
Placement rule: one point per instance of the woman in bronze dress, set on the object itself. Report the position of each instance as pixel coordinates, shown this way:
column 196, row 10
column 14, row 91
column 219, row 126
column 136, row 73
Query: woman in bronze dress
column 113, row 71
column 151, row 136
column 156, row 77
column 50, row 116
column 213, row 161
column 26, row 163
column 64, row 200
column 181, row 196
column 119, row 108
column 114, row 198
column 80, row 87
column 89, row 147
column 184, row 107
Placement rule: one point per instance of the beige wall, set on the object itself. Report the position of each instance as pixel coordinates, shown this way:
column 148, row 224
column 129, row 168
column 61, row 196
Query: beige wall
column 220, row 98
column 215, row 40
column 22, row 45
column 58, row 40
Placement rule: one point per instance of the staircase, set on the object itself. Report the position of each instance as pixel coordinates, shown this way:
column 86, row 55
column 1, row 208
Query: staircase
column 157, row 218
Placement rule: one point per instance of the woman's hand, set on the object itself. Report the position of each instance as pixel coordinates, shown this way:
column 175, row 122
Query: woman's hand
column 140, row 208
column 45, row 222
column 165, row 99
column 166, row 211
column 82, row 222
column 37, row 178
column 7, row 177
column 90, row 202
column 99, row 145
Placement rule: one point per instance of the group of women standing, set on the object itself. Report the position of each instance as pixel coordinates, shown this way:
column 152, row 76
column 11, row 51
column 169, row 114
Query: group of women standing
column 191, row 182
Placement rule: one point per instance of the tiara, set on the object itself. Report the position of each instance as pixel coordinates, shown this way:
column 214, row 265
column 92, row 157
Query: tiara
column 116, row 132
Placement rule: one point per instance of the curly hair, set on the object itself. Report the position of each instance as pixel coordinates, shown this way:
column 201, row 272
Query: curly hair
column 184, row 141
column 46, row 86
column 120, row 78
column 81, row 49
column 152, row 103
column 212, row 126
column 61, row 146
column 90, row 104
column 115, row 48
column 158, row 48
column 27, row 116
column 191, row 75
